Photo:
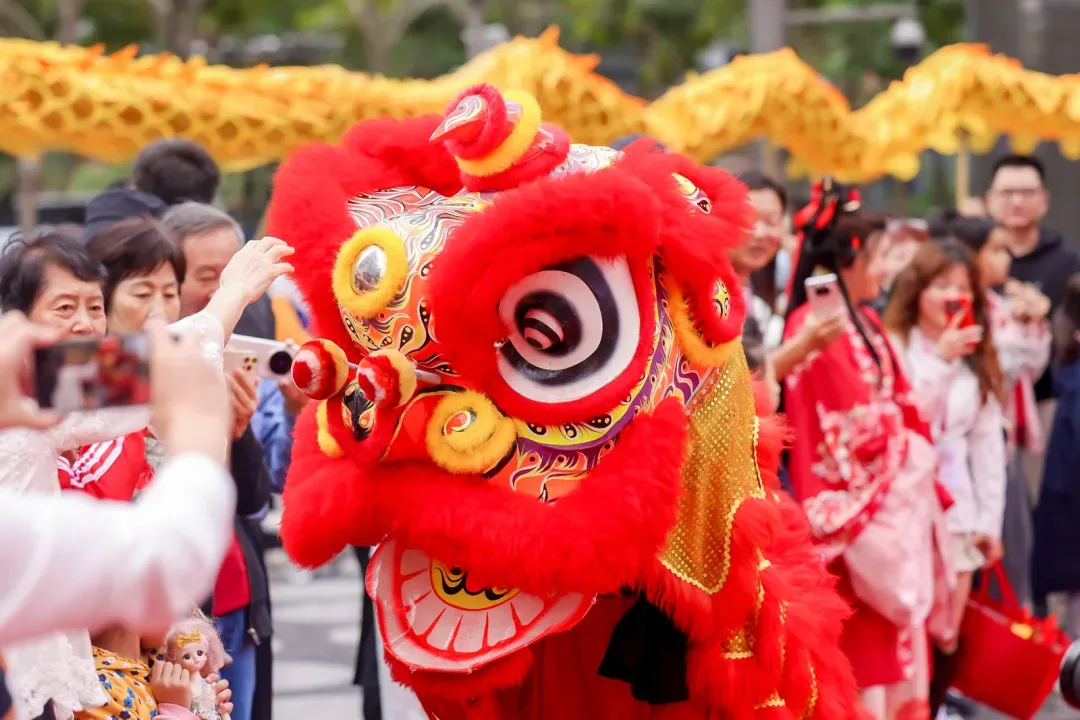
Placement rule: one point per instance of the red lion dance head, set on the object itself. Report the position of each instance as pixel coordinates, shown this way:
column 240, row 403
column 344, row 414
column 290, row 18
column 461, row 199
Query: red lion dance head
column 533, row 399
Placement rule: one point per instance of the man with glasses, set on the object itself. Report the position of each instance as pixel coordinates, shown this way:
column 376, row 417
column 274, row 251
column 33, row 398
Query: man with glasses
column 1018, row 201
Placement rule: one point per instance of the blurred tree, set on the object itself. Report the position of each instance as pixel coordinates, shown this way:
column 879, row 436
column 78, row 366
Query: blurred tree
column 19, row 20
column 857, row 57
column 176, row 24
column 384, row 23
column 670, row 32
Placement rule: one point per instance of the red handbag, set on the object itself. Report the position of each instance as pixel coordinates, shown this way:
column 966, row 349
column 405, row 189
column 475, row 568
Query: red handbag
column 1009, row 660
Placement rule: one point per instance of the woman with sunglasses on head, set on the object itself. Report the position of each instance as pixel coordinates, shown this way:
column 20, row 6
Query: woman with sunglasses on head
column 862, row 465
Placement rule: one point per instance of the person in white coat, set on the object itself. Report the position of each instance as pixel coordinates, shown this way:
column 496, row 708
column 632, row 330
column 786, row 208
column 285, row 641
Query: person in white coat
column 57, row 284
column 172, row 540
column 939, row 319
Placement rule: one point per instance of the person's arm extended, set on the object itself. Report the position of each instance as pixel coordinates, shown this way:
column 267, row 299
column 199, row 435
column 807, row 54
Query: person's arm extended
column 815, row 333
column 226, row 306
column 141, row 564
column 246, row 278
column 786, row 358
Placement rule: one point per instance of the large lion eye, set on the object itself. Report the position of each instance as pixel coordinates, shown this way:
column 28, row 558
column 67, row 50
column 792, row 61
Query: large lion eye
column 573, row 328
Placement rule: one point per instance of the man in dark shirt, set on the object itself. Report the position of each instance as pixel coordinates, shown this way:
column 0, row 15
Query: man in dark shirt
column 1017, row 200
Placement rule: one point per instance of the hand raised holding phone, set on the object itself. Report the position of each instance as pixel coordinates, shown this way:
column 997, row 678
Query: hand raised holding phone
column 21, row 339
column 827, row 320
column 959, row 339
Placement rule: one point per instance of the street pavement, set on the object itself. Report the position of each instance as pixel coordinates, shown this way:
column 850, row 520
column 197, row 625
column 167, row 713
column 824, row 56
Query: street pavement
column 317, row 627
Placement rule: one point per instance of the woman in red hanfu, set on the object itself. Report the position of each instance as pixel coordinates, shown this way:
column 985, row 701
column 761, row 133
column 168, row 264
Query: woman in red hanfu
column 862, row 466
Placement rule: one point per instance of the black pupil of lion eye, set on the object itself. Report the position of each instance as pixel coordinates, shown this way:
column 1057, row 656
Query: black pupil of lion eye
column 548, row 323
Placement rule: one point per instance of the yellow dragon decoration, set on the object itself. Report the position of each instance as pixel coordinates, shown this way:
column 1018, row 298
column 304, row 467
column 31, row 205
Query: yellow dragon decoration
column 107, row 107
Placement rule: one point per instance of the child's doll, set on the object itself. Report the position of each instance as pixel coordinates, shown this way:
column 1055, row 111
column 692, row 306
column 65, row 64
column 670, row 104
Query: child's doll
column 194, row 645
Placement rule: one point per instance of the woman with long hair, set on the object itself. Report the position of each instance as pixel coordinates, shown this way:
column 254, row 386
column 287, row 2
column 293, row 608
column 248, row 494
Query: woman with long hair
column 862, row 464
column 950, row 358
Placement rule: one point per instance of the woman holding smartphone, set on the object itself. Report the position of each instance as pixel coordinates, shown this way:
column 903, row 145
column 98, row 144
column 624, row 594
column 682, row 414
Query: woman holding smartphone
column 939, row 316
column 862, row 465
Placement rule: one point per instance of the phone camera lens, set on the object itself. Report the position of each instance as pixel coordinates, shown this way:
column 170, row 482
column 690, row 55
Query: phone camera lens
column 280, row 362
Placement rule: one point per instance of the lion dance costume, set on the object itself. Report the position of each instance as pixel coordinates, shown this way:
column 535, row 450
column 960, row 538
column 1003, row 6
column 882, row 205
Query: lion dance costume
column 533, row 399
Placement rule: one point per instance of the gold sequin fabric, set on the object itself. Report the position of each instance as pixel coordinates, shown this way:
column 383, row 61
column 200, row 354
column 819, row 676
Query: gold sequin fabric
column 720, row 473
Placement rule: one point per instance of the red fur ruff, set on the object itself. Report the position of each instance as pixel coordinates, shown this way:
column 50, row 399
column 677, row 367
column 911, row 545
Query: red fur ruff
column 326, row 501
column 695, row 245
column 504, row 538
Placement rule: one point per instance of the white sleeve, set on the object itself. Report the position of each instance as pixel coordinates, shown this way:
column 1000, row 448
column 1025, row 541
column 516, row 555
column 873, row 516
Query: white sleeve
column 986, row 450
column 86, row 428
column 208, row 330
column 69, row 562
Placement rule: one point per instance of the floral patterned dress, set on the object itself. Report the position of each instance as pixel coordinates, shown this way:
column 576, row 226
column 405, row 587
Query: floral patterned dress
column 863, row 469
column 127, row 683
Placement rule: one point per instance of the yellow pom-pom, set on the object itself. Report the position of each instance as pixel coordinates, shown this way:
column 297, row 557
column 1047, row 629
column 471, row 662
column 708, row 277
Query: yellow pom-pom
column 468, row 435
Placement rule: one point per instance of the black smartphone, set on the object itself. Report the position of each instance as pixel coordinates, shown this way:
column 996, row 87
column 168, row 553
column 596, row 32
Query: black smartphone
column 81, row 375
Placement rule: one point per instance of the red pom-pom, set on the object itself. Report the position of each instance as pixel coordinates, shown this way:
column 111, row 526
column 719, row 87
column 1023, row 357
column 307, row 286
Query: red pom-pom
column 320, row 369
column 378, row 379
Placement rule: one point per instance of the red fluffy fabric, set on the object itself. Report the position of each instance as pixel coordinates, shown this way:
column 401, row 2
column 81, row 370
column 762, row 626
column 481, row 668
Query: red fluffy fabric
column 607, row 214
column 308, row 208
column 496, row 128
column 326, row 499
column 695, row 245
column 455, row 689
column 524, row 171
column 593, row 541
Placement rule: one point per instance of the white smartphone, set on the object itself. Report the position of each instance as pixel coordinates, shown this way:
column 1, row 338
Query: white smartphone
column 260, row 358
column 823, row 294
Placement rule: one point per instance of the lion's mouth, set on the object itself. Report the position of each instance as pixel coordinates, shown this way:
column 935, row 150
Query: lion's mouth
column 433, row 618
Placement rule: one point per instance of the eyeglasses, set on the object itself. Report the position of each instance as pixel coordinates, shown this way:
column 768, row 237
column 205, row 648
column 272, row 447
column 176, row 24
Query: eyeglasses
column 1018, row 193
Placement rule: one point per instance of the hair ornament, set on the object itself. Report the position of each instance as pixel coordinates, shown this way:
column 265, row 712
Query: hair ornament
column 814, row 223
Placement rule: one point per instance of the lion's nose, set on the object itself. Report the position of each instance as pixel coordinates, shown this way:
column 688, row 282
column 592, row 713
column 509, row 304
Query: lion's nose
column 386, row 377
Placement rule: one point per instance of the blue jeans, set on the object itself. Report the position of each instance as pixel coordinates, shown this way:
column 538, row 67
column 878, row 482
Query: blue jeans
column 241, row 671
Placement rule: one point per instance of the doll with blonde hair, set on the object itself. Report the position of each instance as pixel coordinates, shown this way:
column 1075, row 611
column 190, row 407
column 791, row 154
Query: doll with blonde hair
column 194, row 645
